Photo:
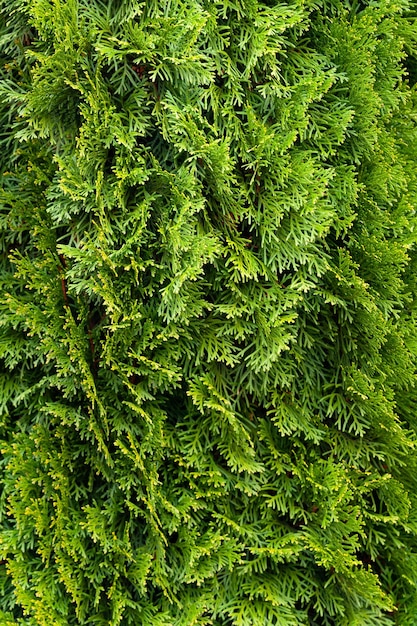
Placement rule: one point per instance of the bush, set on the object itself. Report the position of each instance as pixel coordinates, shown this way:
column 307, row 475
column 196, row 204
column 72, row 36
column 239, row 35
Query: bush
column 208, row 313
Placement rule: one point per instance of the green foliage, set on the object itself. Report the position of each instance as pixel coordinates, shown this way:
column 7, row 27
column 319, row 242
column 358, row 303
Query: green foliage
column 208, row 313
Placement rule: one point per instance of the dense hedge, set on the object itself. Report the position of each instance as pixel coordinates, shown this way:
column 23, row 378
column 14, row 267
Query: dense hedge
column 208, row 313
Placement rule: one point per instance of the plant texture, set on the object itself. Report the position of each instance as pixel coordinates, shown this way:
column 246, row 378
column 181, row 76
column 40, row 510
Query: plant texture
column 208, row 406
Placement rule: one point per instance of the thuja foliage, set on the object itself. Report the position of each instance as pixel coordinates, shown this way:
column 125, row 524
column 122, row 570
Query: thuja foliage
column 208, row 313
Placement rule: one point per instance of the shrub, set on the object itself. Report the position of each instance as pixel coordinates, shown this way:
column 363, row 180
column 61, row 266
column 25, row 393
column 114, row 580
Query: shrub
column 208, row 320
